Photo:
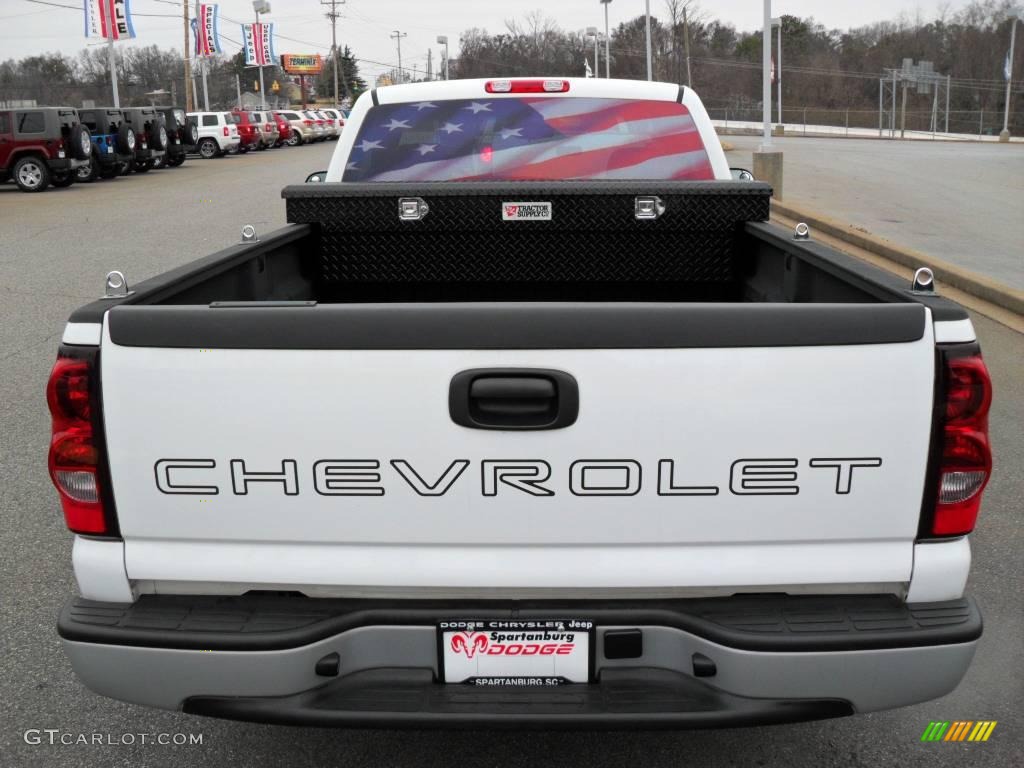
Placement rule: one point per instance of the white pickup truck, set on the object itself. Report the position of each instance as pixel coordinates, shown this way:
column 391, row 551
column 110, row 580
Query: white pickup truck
column 529, row 417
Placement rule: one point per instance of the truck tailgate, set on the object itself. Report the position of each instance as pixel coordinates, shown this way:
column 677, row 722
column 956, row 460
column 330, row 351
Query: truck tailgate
column 689, row 465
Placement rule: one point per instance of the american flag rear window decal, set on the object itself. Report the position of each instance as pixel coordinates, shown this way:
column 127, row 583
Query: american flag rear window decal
column 522, row 139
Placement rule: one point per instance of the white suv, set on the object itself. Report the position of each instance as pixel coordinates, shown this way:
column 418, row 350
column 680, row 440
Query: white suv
column 217, row 133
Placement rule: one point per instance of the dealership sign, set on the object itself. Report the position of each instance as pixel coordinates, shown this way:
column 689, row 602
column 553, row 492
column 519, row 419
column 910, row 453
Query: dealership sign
column 302, row 64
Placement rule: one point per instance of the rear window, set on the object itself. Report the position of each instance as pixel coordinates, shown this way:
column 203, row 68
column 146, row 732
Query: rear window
column 255, row 117
column 522, row 139
column 5, row 122
column 30, row 122
column 179, row 115
column 290, row 116
column 231, row 118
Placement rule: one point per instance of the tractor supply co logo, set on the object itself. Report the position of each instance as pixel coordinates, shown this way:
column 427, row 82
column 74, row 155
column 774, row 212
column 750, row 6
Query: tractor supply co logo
column 959, row 730
column 526, row 211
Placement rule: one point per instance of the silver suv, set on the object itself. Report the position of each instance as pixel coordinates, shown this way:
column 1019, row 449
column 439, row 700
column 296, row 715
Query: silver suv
column 267, row 125
column 302, row 128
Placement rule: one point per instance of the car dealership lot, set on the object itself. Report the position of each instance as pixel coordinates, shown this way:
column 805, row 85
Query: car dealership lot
column 54, row 252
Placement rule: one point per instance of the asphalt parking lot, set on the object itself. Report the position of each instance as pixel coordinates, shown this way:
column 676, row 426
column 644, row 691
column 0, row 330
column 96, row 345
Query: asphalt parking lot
column 55, row 249
column 958, row 201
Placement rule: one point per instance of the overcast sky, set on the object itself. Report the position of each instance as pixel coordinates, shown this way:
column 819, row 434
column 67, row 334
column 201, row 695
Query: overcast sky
column 28, row 28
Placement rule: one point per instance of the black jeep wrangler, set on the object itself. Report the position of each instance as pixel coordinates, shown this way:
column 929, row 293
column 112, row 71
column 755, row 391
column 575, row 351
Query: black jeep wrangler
column 151, row 139
column 113, row 143
column 182, row 136
column 40, row 146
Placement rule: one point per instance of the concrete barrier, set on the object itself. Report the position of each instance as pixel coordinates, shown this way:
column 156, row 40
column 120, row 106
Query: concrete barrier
column 970, row 282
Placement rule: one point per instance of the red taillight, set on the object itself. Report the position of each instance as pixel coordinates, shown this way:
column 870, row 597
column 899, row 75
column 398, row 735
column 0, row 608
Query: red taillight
column 74, row 456
column 308, row 123
column 67, row 392
column 225, row 130
column 966, row 462
column 527, row 86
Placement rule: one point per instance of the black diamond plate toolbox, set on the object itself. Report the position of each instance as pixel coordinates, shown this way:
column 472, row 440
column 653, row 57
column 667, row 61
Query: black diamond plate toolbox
column 593, row 235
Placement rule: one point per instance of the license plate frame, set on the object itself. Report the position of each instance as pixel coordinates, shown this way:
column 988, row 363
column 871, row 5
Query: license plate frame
column 534, row 652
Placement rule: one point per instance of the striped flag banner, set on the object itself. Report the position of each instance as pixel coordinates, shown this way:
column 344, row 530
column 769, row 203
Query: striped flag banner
column 526, row 138
column 959, row 730
column 258, row 41
column 204, row 26
column 106, row 18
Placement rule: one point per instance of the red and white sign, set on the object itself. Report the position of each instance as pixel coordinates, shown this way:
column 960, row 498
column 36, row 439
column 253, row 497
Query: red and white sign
column 516, row 652
column 258, row 41
column 526, row 211
column 205, row 27
column 108, row 18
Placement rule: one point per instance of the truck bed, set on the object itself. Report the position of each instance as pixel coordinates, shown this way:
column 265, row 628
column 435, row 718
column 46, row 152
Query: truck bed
column 713, row 246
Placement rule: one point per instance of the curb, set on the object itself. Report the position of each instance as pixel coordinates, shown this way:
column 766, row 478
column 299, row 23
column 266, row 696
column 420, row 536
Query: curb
column 970, row 282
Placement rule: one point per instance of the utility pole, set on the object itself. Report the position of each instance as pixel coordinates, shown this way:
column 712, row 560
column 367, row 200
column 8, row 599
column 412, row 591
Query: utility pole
column 333, row 16
column 443, row 40
column 397, row 37
column 430, row 64
column 189, row 106
column 650, row 65
column 607, row 43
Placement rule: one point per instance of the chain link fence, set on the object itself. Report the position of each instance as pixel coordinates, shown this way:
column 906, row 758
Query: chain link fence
column 862, row 122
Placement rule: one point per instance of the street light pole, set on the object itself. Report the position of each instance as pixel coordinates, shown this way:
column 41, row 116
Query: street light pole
column 112, row 60
column 188, row 61
column 592, row 32
column 650, row 66
column 777, row 22
column 261, row 6
column 443, row 40
column 1018, row 13
column 766, row 66
column 607, row 43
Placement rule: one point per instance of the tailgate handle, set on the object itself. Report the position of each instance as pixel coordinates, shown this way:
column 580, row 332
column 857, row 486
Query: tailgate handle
column 513, row 399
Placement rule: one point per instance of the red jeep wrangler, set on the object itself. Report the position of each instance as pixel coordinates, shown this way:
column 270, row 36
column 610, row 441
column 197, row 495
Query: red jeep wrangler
column 40, row 146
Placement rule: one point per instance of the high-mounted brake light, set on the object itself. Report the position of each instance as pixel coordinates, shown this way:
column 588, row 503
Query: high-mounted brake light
column 527, row 86
column 74, row 459
column 965, row 464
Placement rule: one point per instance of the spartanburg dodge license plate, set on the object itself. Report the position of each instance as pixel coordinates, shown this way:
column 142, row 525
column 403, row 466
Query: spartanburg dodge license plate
column 515, row 652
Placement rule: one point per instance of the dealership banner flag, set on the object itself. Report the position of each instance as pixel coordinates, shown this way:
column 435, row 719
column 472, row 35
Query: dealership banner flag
column 204, row 26
column 108, row 18
column 258, row 40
